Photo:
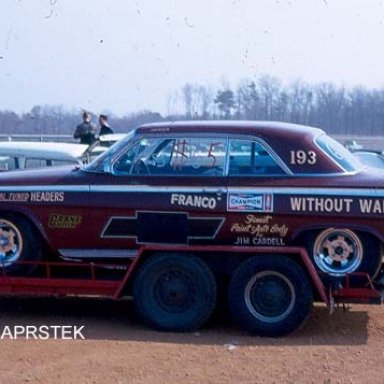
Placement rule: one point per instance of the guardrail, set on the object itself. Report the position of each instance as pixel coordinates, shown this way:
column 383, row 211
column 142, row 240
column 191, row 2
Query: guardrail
column 38, row 138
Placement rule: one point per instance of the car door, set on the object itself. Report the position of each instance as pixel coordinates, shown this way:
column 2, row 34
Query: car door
column 255, row 173
column 162, row 190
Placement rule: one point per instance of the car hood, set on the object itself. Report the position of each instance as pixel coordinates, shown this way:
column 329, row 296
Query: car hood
column 45, row 176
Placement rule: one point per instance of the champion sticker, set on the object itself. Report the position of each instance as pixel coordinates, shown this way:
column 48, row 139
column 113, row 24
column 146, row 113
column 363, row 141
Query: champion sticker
column 250, row 202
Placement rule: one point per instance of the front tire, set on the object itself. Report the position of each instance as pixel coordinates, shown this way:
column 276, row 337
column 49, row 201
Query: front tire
column 270, row 295
column 19, row 241
column 174, row 292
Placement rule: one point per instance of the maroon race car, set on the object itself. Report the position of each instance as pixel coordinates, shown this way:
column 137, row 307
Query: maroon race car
column 201, row 183
column 182, row 188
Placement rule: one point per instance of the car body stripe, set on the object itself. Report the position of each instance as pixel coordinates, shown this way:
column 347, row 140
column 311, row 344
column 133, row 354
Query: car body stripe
column 45, row 188
column 156, row 189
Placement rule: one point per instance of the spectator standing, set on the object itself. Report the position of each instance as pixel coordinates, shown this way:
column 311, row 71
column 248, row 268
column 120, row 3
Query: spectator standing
column 86, row 131
column 105, row 129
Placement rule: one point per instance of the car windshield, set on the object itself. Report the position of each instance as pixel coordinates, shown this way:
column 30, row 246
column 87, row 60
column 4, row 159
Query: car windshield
column 338, row 153
column 97, row 165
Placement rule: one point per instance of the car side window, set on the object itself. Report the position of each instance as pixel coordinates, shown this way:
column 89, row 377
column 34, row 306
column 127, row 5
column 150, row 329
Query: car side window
column 31, row 163
column 251, row 158
column 7, row 163
column 174, row 157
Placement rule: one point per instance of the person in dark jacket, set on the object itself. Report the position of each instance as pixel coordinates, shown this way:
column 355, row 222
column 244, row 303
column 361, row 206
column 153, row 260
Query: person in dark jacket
column 105, row 129
column 86, row 131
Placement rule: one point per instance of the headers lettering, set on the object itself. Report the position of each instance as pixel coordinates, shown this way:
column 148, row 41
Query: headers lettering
column 50, row 197
column 33, row 197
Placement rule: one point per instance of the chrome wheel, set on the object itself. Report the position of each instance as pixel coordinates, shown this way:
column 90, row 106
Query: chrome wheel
column 11, row 243
column 269, row 296
column 338, row 251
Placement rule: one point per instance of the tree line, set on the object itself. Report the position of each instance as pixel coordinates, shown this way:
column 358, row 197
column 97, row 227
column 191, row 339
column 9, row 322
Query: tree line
column 335, row 108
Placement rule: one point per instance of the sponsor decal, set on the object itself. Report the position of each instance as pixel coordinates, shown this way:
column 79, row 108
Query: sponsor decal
column 274, row 241
column 160, row 129
column 259, row 230
column 14, row 196
column 64, row 221
column 195, row 201
column 250, row 202
column 47, row 197
column 34, row 197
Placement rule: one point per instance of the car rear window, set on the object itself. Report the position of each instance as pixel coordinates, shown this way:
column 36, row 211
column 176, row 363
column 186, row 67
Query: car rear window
column 338, row 153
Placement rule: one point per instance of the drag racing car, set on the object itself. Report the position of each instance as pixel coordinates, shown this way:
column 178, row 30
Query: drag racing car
column 183, row 186
column 243, row 183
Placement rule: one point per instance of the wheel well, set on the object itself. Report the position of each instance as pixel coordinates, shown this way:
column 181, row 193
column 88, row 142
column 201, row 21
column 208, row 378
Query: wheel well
column 301, row 239
column 372, row 249
column 16, row 214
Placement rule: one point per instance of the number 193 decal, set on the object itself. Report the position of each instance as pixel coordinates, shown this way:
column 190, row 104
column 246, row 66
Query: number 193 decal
column 301, row 157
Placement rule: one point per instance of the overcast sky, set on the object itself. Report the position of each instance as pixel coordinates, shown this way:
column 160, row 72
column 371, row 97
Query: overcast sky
column 127, row 55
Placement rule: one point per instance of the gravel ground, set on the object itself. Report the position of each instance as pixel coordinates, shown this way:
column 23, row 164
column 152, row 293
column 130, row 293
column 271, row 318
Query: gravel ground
column 346, row 347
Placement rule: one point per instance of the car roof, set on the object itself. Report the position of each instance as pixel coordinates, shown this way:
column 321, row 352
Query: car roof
column 258, row 128
column 42, row 150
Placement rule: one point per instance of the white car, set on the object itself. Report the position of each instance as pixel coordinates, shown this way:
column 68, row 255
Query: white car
column 28, row 155
column 372, row 159
column 103, row 143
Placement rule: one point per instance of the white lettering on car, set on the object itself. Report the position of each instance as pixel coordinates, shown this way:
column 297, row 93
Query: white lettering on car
column 14, row 196
column 302, row 157
column 337, row 205
column 195, row 201
column 371, row 206
column 47, row 197
column 320, row 204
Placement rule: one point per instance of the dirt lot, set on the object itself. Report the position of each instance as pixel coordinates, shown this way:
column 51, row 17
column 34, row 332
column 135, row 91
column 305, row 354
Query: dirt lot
column 346, row 347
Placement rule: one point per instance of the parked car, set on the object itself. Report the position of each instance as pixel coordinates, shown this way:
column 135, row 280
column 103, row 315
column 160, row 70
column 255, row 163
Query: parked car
column 353, row 145
column 184, row 188
column 16, row 155
column 102, row 144
column 310, row 190
column 373, row 159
